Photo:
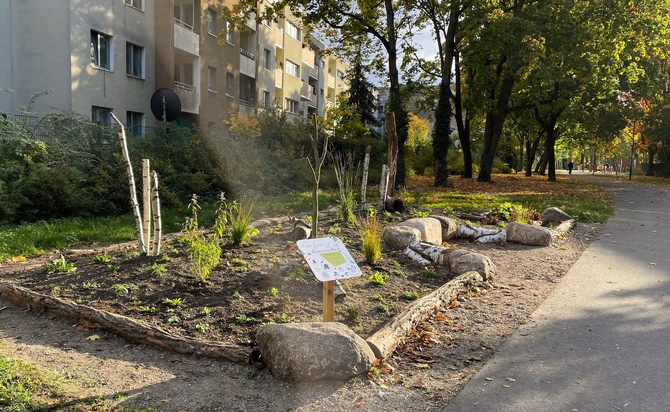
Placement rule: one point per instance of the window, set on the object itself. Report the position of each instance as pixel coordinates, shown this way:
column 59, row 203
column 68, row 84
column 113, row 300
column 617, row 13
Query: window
column 211, row 22
column 134, row 60
column 101, row 50
column 229, row 32
column 101, row 115
column 292, row 30
column 229, row 84
column 135, row 123
column 291, row 106
column 340, row 75
column 321, row 92
column 267, row 55
column 138, row 4
column 267, row 22
column 292, row 68
column 211, row 79
column 267, row 99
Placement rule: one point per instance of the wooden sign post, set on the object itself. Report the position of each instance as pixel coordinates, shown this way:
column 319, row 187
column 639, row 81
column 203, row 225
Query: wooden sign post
column 329, row 260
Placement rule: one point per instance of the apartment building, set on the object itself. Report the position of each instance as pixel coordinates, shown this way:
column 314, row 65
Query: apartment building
column 122, row 51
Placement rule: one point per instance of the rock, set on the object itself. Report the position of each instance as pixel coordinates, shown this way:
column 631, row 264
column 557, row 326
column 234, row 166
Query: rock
column 313, row 351
column 462, row 261
column 554, row 216
column 299, row 233
column 399, row 237
column 449, row 227
column 261, row 223
column 526, row 234
column 394, row 204
column 431, row 229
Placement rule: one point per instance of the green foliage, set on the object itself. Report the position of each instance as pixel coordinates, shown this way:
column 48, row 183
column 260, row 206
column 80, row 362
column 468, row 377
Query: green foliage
column 377, row 278
column 272, row 292
column 60, row 266
column 157, row 269
column 243, row 319
column 123, row 288
column 21, row 383
column 240, row 218
column 429, row 272
column 347, row 181
column 206, row 311
column 102, row 258
column 371, row 238
column 410, row 295
column 113, row 267
column 174, row 302
column 513, row 212
column 202, row 328
column 382, row 308
column 284, row 318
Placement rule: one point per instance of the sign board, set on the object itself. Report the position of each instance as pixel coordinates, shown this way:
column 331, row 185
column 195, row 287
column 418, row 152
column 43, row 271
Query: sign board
column 329, row 259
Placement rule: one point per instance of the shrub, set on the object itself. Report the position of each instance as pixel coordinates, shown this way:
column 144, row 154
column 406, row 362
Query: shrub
column 371, row 238
column 239, row 216
column 347, row 180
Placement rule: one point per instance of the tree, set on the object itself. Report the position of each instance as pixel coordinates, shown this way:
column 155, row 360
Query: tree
column 360, row 94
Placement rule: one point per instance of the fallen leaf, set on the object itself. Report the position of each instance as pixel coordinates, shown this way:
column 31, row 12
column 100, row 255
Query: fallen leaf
column 506, row 386
column 421, row 365
column 93, row 337
column 488, row 379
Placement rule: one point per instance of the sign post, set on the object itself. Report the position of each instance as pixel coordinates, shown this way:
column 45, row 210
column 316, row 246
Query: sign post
column 329, row 260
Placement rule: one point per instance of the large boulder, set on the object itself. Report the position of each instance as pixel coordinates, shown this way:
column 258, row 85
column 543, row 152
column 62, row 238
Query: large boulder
column 399, row 237
column 430, row 228
column 462, row 261
column 313, row 351
column 526, row 234
column 554, row 216
column 449, row 227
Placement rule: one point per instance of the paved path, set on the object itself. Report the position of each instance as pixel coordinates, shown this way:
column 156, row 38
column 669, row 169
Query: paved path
column 601, row 341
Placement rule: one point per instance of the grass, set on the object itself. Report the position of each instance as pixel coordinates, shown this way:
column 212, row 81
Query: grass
column 585, row 203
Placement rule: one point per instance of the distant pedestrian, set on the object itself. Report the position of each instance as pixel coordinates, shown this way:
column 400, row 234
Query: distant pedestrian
column 570, row 166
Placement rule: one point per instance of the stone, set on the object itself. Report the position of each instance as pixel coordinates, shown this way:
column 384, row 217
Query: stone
column 302, row 352
column 261, row 223
column 299, row 233
column 526, row 234
column 399, row 237
column 430, row 228
column 462, row 261
column 554, row 216
column 449, row 227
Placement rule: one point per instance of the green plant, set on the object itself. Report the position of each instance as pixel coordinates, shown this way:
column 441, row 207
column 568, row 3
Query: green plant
column 297, row 273
column 382, row 308
column 221, row 220
column 240, row 218
column 123, row 288
column 173, row 302
column 90, row 285
column 148, row 309
column 284, row 318
column 272, row 292
column 21, row 384
column 239, row 262
column 174, row 319
column 429, row 273
column 371, row 237
column 157, row 269
column 237, row 295
column 347, row 179
column 410, row 295
column 378, row 297
column 205, row 253
column 353, row 313
column 103, row 258
column 206, row 311
column 377, row 278
column 396, row 272
column 243, row 319
column 202, row 328
column 60, row 266
column 112, row 267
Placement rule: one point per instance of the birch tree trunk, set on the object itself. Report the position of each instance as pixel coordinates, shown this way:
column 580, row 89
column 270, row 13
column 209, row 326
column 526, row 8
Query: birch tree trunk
column 146, row 204
column 156, row 213
column 131, row 183
column 364, row 184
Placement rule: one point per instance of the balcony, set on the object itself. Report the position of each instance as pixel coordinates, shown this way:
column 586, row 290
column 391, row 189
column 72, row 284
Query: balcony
column 307, row 93
column 185, row 38
column 279, row 78
column 279, row 39
column 308, row 56
column 247, row 64
column 313, row 72
column 331, row 81
column 188, row 95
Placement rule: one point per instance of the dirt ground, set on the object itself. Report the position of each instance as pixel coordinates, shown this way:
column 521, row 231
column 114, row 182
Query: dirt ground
column 103, row 372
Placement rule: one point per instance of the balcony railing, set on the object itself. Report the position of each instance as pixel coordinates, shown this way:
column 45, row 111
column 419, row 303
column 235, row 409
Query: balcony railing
column 279, row 39
column 247, row 64
column 331, row 81
column 188, row 95
column 314, row 72
column 307, row 92
column 279, row 78
column 185, row 38
column 308, row 56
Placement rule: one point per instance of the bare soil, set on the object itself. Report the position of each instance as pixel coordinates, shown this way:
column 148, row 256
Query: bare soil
column 103, row 372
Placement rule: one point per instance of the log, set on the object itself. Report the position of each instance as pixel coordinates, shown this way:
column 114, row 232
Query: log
column 499, row 237
column 391, row 334
column 427, row 253
column 131, row 329
column 383, row 189
column 146, row 204
column 156, row 214
column 471, row 232
column 134, row 204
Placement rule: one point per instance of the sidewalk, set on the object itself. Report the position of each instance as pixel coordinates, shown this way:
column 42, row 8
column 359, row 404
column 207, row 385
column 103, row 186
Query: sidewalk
column 601, row 341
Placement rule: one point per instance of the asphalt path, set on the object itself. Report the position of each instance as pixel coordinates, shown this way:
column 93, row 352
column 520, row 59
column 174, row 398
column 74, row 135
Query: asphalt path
column 601, row 340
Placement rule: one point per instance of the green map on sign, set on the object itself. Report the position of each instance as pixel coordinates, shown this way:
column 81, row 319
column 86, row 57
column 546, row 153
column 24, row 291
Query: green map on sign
column 334, row 258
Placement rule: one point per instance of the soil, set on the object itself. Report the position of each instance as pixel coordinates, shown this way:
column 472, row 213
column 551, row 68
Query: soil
column 268, row 281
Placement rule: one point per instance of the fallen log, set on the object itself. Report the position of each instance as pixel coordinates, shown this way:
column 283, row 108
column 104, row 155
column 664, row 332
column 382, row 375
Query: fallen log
column 427, row 253
column 391, row 334
column 472, row 232
column 131, row 329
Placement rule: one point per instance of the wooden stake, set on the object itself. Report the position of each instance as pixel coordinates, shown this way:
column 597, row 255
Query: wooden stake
column 364, row 184
column 146, row 203
column 383, row 187
column 156, row 213
column 329, row 301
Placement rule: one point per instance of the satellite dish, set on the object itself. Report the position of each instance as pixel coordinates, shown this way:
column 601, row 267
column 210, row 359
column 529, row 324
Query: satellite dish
column 165, row 105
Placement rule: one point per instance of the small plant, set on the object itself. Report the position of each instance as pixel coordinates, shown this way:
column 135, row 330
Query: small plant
column 205, row 254
column 272, row 292
column 131, row 254
column 382, row 308
column 377, row 278
column 297, row 273
column 429, row 273
column 410, row 295
column 239, row 262
column 89, row 285
column 347, row 177
column 123, row 288
column 148, row 309
column 378, row 297
column 60, row 266
column 243, row 319
column 157, row 269
column 202, row 328
column 221, row 220
column 206, row 311
column 103, row 258
column 240, row 218
column 164, row 258
column 112, row 267
column 174, row 319
column 396, row 272
column 284, row 318
column 173, row 302
column 371, row 238
column 353, row 313
column 56, row 289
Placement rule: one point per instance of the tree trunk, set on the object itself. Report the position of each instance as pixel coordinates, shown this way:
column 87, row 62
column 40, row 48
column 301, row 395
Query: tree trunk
column 441, row 136
column 462, row 124
column 550, row 153
column 531, row 152
column 651, row 153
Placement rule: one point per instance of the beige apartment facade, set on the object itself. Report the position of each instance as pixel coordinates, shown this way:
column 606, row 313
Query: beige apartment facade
column 102, row 56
